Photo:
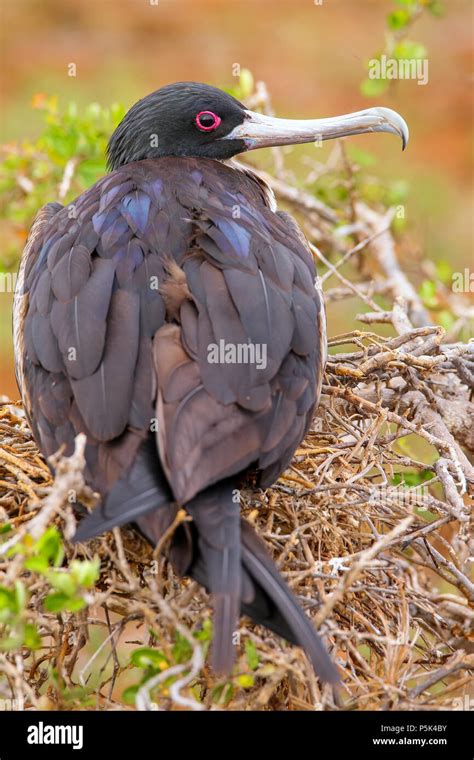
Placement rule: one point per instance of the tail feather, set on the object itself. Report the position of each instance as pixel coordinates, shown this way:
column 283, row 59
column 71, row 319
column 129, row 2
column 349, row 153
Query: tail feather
column 224, row 554
column 282, row 612
column 219, row 550
column 218, row 564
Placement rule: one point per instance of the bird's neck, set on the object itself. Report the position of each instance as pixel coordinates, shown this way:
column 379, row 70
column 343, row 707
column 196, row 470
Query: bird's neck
column 259, row 179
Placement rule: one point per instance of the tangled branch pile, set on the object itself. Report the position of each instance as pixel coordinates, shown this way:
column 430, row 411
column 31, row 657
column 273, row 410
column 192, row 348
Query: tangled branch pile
column 370, row 527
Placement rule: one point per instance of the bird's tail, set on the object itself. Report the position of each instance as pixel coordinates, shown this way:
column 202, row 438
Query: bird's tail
column 223, row 553
column 218, row 549
column 217, row 564
column 269, row 601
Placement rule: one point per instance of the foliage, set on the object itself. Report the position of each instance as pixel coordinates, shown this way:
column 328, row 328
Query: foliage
column 33, row 173
column 397, row 45
column 66, row 587
column 151, row 662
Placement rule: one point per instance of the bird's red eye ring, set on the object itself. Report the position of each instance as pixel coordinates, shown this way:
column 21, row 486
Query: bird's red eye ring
column 206, row 121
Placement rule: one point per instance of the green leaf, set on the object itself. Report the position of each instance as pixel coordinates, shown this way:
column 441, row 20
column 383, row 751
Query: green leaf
column 398, row 225
column 8, row 605
column 76, row 604
column 56, row 602
column 78, row 695
column 253, row 658
column 50, row 547
column 361, row 157
column 246, row 83
column 246, row 681
column 63, row 603
column 222, row 693
column 129, row 694
column 412, row 479
column 444, row 271
column 446, row 319
column 85, row 572
column 13, row 641
column 31, row 639
column 71, row 110
column 63, row 582
column 372, row 88
column 149, row 658
column 397, row 192
column 182, row 649
column 436, row 8
column 91, row 169
column 93, row 111
column 205, row 633
column 117, row 112
column 428, row 293
column 20, row 595
column 36, row 564
column 409, row 50
column 398, row 19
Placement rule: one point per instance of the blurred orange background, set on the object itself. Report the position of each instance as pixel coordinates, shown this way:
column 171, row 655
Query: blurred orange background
column 312, row 58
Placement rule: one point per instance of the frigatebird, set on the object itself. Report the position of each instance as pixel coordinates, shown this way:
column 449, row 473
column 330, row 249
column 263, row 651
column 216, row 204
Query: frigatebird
column 121, row 296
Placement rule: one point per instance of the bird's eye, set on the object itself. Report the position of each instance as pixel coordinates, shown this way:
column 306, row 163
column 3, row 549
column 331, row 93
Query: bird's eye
column 206, row 121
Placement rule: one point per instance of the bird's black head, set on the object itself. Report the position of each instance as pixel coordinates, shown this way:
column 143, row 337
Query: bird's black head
column 196, row 120
column 182, row 119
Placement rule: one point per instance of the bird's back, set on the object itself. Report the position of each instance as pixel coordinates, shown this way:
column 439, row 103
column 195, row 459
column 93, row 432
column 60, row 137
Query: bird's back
column 170, row 296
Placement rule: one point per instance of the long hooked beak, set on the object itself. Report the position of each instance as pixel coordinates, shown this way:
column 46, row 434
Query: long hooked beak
column 260, row 131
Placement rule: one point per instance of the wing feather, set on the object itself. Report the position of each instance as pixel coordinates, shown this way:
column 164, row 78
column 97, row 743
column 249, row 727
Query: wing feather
column 95, row 339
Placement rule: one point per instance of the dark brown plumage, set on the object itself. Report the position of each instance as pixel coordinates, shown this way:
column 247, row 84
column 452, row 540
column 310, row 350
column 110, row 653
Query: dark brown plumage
column 116, row 309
